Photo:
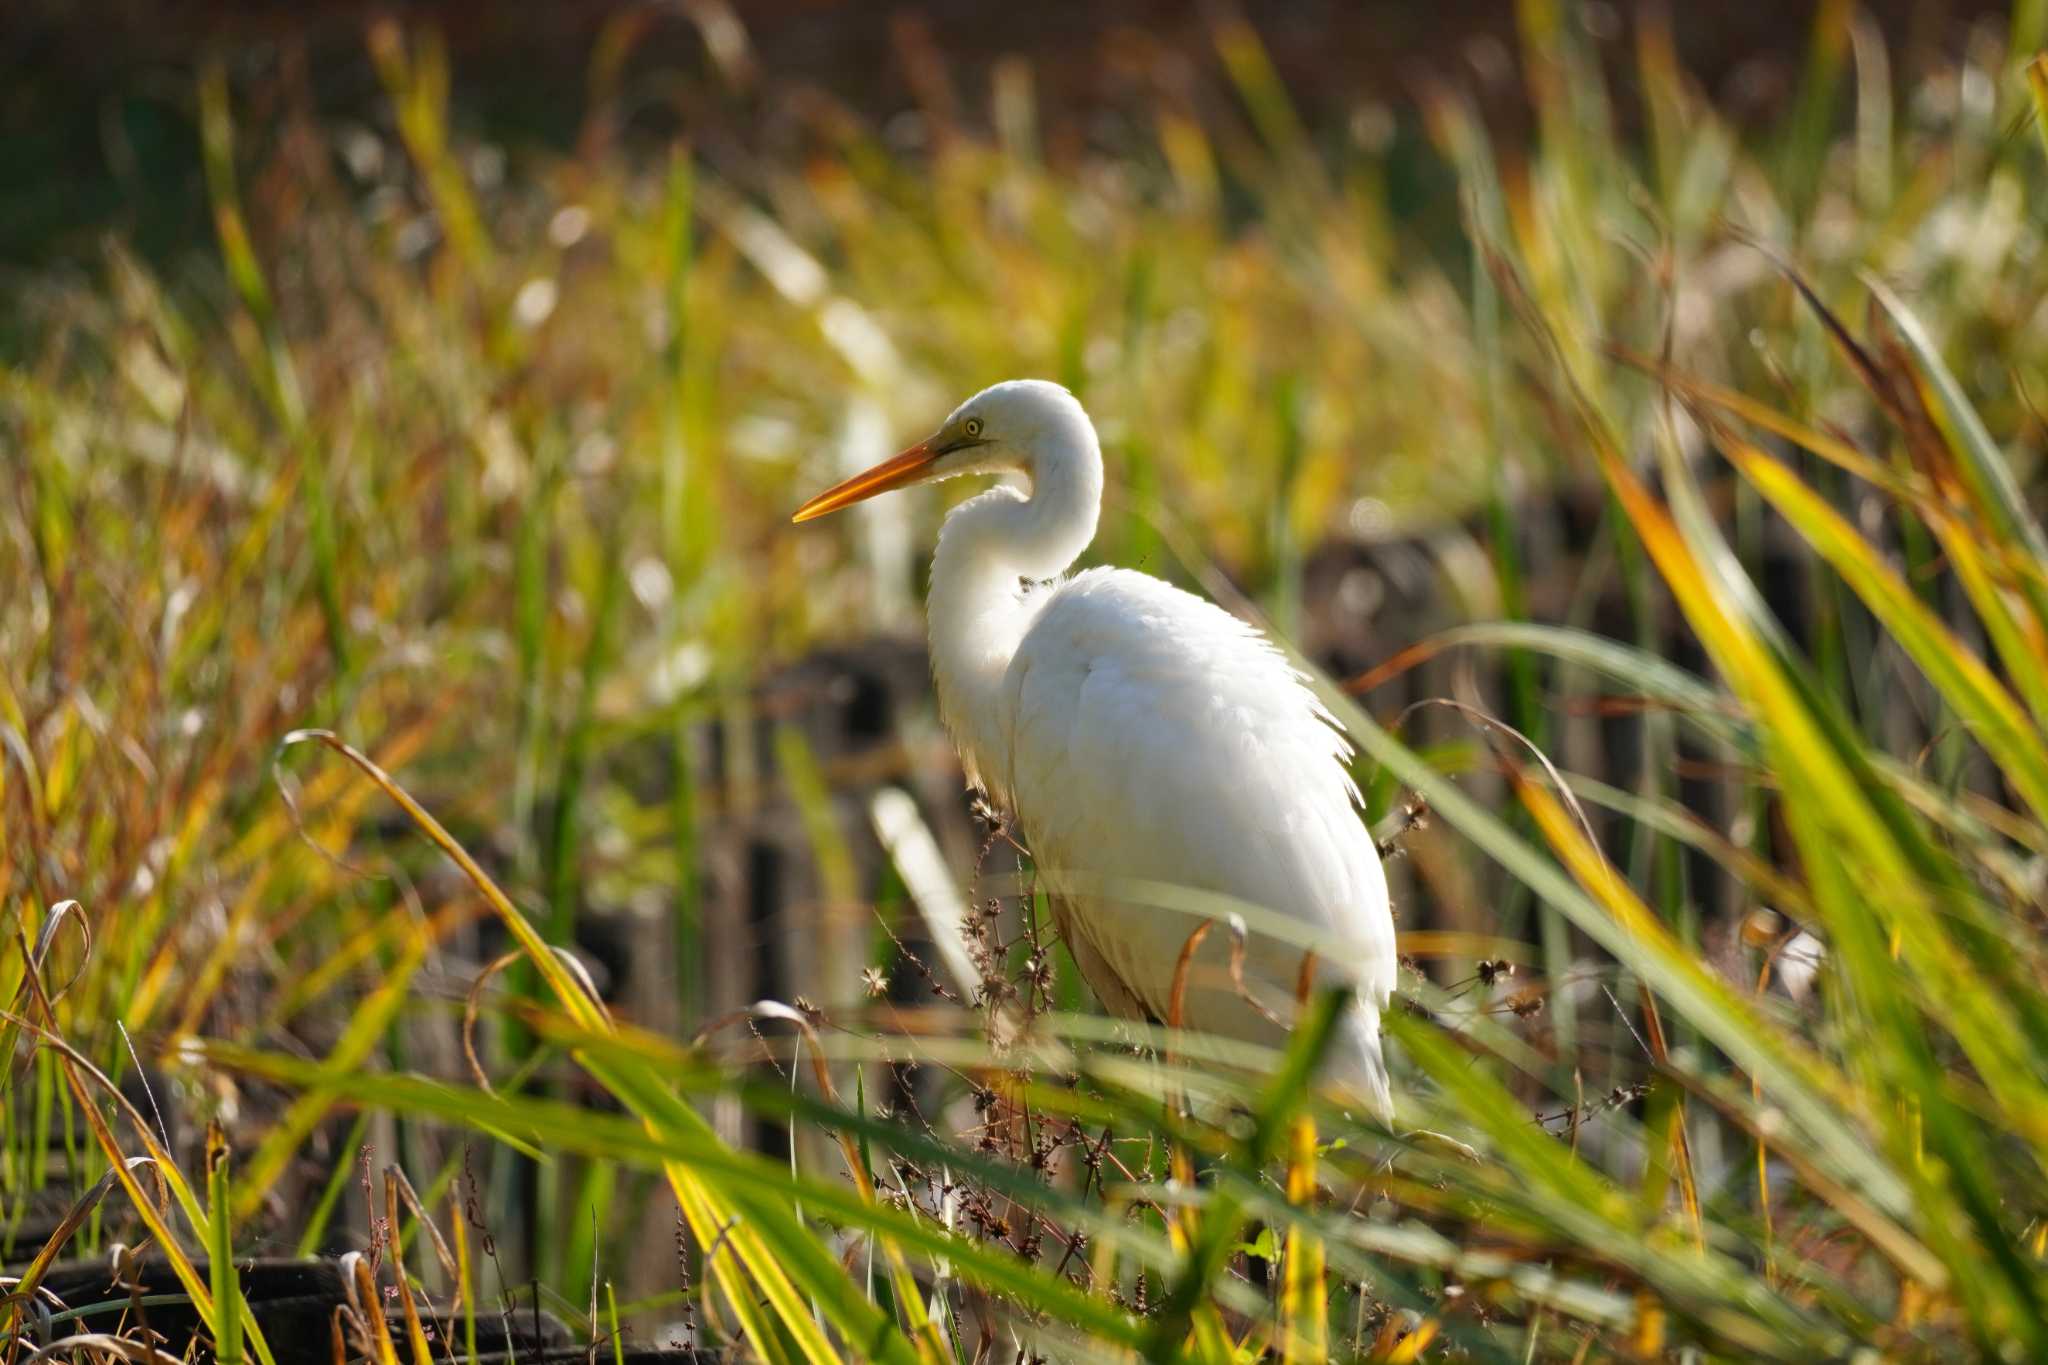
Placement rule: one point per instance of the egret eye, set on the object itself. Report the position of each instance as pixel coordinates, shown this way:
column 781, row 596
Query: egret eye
column 972, row 426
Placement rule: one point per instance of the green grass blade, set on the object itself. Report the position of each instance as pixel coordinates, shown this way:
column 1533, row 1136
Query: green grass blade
column 1983, row 464
column 227, row 1284
column 1991, row 713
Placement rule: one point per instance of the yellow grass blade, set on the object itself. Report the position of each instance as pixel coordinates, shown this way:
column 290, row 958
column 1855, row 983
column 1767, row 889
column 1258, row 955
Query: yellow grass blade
column 1990, row 712
column 1304, row 1297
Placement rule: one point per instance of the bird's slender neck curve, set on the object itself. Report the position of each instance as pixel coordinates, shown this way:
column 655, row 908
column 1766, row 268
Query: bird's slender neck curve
column 992, row 551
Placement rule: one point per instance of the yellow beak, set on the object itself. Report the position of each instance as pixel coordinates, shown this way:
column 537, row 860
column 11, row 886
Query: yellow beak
column 895, row 472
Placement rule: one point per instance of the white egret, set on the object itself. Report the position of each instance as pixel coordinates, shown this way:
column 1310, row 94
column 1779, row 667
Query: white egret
column 1141, row 736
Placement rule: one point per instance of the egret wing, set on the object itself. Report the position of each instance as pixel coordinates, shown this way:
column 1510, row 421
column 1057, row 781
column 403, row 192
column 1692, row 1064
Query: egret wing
column 1157, row 741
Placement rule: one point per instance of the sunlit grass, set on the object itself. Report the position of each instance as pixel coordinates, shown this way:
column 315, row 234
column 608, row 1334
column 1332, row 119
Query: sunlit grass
column 489, row 477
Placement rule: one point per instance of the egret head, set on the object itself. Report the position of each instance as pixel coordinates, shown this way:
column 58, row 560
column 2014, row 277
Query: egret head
column 1007, row 428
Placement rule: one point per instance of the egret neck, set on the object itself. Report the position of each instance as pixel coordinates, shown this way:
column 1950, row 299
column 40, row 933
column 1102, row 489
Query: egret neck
column 994, row 552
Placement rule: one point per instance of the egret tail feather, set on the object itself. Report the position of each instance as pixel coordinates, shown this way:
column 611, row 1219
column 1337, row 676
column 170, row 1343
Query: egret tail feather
column 1357, row 1067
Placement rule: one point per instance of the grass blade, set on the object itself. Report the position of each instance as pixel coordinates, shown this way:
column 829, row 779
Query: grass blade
column 1990, row 712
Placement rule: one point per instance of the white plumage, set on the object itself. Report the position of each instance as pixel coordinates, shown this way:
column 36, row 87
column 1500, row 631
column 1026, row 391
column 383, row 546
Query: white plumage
column 1144, row 739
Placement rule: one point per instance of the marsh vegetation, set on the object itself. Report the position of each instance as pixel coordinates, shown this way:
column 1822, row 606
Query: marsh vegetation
column 448, row 818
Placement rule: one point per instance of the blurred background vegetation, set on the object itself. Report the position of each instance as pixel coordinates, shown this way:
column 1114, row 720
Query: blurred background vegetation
column 444, row 378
